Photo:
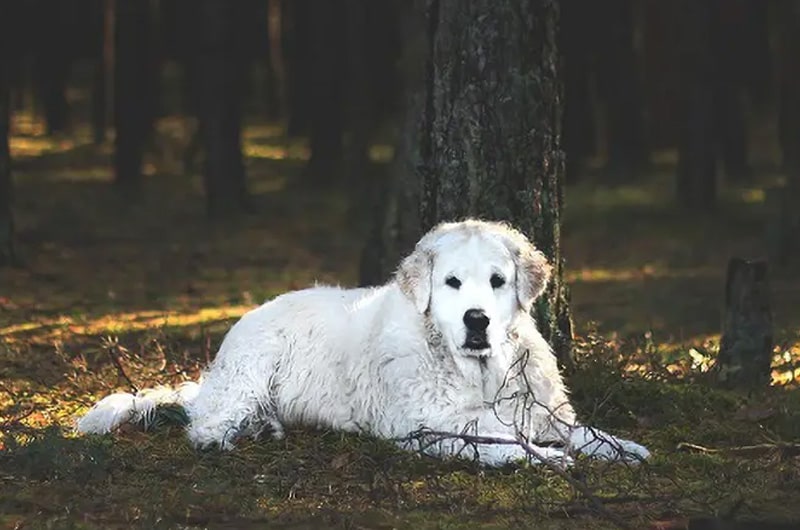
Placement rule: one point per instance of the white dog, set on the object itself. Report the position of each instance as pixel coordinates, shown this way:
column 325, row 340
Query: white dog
column 447, row 346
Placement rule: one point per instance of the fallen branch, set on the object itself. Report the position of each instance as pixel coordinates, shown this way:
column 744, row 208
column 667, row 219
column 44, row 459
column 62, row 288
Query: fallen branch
column 582, row 488
column 785, row 449
column 112, row 346
column 438, row 436
column 520, row 440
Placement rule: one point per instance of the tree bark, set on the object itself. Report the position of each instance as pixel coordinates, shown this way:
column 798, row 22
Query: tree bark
column 219, row 76
column 276, row 72
column 358, row 98
column 579, row 122
column 103, row 51
column 789, row 117
column 697, row 166
column 745, row 353
column 396, row 215
column 489, row 137
column 52, row 63
column 134, row 91
column 618, row 80
column 297, row 51
column 326, row 97
column 7, row 256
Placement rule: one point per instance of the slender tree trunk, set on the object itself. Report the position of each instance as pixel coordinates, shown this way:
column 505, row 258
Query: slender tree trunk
column 103, row 60
column 790, row 88
column 52, row 63
column 6, row 217
column 733, row 45
column 488, row 142
column 276, row 99
column 326, row 95
column 219, row 77
column 297, row 51
column 662, row 22
column 579, row 131
column 134, row 91
column 396, row 226
column 358, row 102
column 697, row 165
column 619, row 82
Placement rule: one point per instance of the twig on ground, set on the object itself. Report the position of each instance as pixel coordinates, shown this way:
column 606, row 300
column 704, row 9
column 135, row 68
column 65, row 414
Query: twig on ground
column 784, row 449
column 17, row 420
column 582, row 488
column 520, row 440
column 112, row 346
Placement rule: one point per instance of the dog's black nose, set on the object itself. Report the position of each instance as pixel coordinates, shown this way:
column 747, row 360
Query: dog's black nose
column 476, row 320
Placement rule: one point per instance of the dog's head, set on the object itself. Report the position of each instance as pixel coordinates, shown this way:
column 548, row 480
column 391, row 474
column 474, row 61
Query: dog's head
column 472, row 278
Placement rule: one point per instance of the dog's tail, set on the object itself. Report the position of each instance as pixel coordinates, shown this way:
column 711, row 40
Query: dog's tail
column 116, row 409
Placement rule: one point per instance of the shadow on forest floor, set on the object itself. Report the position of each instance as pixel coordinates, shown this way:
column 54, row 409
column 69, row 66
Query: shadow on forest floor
column 151, row 285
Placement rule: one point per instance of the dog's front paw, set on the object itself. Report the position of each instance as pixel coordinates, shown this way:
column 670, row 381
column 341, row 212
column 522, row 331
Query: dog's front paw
column 513, row 452
column 551, row 455
column 631, row 451
column 595, row 443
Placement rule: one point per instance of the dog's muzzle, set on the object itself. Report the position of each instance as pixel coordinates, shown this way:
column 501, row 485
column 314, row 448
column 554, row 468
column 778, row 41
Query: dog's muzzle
column 476, row 342
column 476, row 322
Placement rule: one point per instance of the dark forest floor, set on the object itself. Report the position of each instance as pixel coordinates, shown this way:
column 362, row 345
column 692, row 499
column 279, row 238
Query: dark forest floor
column 155, row 286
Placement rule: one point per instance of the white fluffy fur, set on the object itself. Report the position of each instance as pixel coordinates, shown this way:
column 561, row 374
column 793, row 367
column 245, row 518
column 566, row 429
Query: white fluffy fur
column 392, row 360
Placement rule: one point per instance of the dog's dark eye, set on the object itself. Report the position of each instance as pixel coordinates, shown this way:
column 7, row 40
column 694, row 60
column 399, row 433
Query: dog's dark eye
column 453, row 282
column 497, row 281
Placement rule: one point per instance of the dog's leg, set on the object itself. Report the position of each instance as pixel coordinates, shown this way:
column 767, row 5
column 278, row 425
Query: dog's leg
column 214, row 424
column 467, row 428
column 599, row 444
column 499, row 449
column 230, row 406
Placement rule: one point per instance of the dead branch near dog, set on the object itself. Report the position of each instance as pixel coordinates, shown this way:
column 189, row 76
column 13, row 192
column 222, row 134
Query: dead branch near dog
column 579, row 486
column 785, row 450
column 113, row 347
column 431, row 437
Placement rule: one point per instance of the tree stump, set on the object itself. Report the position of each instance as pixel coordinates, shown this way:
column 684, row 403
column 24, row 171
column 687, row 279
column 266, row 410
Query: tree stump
column 745, row 353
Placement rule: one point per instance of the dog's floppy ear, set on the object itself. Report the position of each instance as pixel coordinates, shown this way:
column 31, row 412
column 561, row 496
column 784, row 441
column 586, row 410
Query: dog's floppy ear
column 414, row 276
column 532, row 269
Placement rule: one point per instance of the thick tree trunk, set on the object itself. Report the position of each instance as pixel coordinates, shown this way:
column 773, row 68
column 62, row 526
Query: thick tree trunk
column 489, row 138
column 219, row 76
column 134, row 91
column 6, row 218
column 745, row 352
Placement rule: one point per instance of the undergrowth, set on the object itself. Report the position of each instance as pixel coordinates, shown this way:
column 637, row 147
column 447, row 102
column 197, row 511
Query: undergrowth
column 313, row 478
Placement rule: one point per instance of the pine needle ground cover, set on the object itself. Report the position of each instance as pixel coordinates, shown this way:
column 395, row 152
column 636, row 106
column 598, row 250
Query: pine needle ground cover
column 118, row 294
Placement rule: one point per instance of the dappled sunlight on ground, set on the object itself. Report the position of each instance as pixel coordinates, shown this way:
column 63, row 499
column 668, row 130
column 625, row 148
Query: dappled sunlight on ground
column 40, row 145
column 57, row 329
column 596, row 275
